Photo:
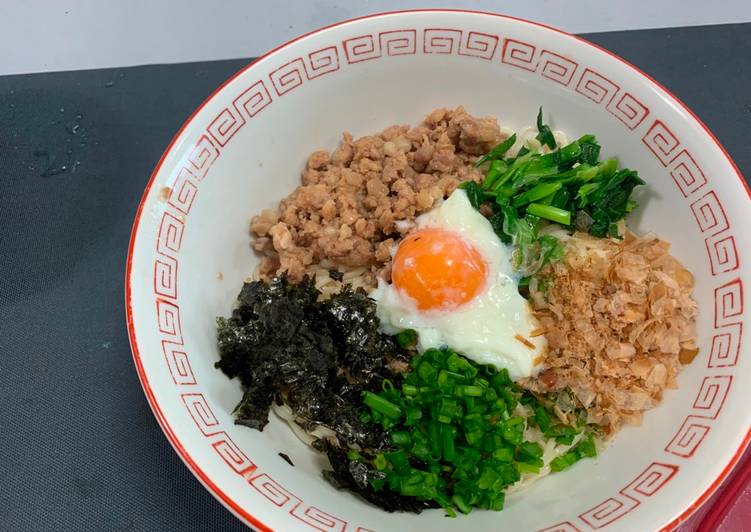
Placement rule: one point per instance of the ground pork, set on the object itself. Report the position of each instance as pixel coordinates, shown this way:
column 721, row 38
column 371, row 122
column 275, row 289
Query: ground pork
column 620, row 324
column 356, row 201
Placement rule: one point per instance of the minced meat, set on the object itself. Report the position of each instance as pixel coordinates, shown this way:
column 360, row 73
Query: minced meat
column 356, row 201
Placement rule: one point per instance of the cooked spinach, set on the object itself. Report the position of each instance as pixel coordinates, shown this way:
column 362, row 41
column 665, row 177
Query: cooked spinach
column 569, row 186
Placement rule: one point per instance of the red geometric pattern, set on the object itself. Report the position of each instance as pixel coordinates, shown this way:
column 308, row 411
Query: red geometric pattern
column 476, row 44
column 726, row 346
column 170, row 234
column 661, row 141
column 225, row 125
column 441, row 40
column 556, row 67
column 625, row 106
column 252, row 100
column 310, row 515
column 399, row 42
column 165, row 277
column 728, row 303
column 362, row 48
column 203, row 156
column 322, row 62
column 628, row 110
column 178, row 363
column 566, row 526
column 283, row 498
column 722, row 252
column 288, row 76
column 183, row 192
column 651, row 480
column 451, row 40
column 519, row 54
column 200, row 411
column 293, row 73
column 710, row 214
column 646, row 484
column 686, row 173
column 608, row 511
column 597, row 87
column 232, row 455
column 168, row 320
column 689, row 436
column 270, row 488
column 712, row 394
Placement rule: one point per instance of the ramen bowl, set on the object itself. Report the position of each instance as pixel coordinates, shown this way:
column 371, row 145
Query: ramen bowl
column 243, row 150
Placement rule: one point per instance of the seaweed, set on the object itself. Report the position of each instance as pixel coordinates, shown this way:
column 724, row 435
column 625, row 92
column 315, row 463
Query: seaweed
column 318, row 356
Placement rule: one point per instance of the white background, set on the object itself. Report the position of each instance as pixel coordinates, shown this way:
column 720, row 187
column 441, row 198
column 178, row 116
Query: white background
column 48, row 35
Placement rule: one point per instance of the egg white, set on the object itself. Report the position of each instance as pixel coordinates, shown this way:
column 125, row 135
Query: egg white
column 496, row 326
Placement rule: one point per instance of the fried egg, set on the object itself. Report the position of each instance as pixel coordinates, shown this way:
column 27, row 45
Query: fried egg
column 453, row 283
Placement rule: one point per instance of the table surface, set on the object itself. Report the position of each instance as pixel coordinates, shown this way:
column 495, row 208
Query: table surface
column 81, row 450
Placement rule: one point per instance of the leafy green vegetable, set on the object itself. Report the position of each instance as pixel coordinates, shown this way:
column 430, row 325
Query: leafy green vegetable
column 498, row 151
column 585, row 448
column 474, row 193
column 406, row 339
column 544, row 134
column 569, row 186
column 457, row 441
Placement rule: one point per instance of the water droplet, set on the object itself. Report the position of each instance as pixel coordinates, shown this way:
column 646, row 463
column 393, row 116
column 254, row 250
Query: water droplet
column 62, row 109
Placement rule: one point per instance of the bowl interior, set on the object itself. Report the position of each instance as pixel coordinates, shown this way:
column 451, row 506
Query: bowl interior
column 244, row 150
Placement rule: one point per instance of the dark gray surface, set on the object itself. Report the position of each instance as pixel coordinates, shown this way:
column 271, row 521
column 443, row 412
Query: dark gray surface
column 79, row 447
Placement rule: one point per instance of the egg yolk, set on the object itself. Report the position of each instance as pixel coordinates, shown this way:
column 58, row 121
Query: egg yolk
column 438, row 269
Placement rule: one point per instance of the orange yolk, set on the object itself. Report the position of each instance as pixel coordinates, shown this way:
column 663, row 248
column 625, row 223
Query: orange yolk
column 438, row 269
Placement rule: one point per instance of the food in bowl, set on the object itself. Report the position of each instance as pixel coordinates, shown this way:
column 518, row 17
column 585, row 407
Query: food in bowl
column 451, row 311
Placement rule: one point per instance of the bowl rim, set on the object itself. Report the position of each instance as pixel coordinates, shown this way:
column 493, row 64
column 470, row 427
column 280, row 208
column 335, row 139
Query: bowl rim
column 200, row 474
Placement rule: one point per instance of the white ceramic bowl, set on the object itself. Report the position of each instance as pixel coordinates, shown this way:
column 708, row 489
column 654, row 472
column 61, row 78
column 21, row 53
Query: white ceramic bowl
column 243, row 150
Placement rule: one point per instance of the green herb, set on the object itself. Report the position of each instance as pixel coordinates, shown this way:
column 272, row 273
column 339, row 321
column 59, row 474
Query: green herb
column 544, row 134
column 406, row 339
column 457, row 442
column 474, row 193
column 585, row 448
column 569, row 186
column 499, row 151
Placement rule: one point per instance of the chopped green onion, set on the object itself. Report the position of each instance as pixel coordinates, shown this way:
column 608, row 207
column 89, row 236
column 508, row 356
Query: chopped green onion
column 452, row 436
column 400, row 438
column 379, row 404
column 409, row 389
